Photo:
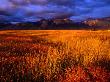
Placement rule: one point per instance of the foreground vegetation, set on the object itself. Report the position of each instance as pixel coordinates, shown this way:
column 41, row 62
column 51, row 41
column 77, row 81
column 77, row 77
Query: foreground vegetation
column 54, row 56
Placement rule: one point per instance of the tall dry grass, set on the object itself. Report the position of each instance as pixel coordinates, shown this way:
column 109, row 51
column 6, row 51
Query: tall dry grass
column 54, row 56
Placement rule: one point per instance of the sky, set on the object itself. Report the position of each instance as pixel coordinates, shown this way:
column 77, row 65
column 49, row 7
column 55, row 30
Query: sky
column 33, row 10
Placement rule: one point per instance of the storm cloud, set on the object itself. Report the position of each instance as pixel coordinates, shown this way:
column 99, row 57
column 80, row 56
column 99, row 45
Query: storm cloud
column 32, row 10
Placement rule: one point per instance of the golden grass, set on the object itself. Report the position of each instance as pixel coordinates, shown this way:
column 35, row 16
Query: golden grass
column 54, row 56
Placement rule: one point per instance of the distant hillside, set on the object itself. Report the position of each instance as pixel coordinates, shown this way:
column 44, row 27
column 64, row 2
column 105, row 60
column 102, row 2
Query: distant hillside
column 102, row 23
column 44, row 25
column 57, row 24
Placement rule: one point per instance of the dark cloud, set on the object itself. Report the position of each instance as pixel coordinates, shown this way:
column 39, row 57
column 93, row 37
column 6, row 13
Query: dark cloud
column 32, row 10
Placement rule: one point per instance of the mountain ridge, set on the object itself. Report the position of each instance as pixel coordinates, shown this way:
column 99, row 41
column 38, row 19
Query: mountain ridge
column 54, row 24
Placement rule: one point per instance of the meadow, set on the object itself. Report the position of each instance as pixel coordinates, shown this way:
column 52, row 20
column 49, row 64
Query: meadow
column 54, row 56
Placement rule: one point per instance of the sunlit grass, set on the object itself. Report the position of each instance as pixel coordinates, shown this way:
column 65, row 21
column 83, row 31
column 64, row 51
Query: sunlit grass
column 54, row 56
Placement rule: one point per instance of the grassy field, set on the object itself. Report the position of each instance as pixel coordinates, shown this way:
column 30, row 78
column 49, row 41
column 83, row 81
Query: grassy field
column 54, row 56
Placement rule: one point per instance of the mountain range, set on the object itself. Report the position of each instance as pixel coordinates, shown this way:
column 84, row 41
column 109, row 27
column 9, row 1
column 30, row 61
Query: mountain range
column 57, row 24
